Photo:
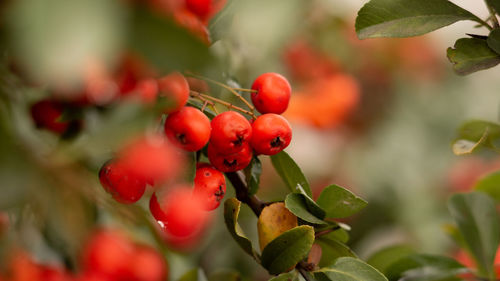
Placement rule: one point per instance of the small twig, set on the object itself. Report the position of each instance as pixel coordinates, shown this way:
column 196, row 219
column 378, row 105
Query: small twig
column 205, row 97
column 245, row 90
column 304, row 274
column 326, row 231
column 493, row 17
column 230, row 89
column 242, row 193
column 204, row 105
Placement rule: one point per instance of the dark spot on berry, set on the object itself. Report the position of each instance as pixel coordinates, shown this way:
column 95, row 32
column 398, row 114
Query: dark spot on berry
column 276, row 142
column 238, row 141
column 219, row 194
column 207, row 174
column 230, row 164
column 182, row 138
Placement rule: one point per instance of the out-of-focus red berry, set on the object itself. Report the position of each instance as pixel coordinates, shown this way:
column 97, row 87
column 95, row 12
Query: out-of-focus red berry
column 181, row 211
column 272, row 93
column 47, row 113
column 108, row 252
column 210, row 184
column 193, row 24
column 175, row 88
column 147, row 89
column 188, row 128
column 152, row 158
column 125, row 187
column 147, row 265
column 201, row 8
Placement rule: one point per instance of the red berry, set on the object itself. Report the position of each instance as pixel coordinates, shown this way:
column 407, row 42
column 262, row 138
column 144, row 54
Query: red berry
column 175, row 88
column 229, row 131
column 188, row 128
column 147, row 265
column 210, row 184
column 271, row 134
column 152, row 158
column 124, row 186
column 108, row 252
column 230, row 162
column 273, row 93
column 147, row 90
column 180, row 211
column 201, row 8
column 46, row 114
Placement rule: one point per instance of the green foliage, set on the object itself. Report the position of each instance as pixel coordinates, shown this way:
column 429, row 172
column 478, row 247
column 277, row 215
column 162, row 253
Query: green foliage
column 291, row 276
column 425, row 267
column 405, row 18
column 339, row 202
column 290, row 173
column 195, row 274
column 331, row 249
column 288, row 249
column 490, row 184
column 475, row 134
column 476, row 217
column 349, row 269
column 470, row 55
column 494, row 40
column 296, row 203
column 252, row 175
column 231, row 212
column 385, row 257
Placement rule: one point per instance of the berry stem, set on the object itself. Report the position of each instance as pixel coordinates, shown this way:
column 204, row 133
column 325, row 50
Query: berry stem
column 230, row 89
column 245, row 90
column 205, row 98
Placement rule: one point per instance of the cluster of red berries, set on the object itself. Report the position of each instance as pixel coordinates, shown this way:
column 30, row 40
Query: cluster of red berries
column 231, row 142
column 109, row 255
column 231, row 137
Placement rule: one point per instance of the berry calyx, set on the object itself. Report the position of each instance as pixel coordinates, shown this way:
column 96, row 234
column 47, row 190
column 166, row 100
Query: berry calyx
column 120, row 183
column 175, row 88
column 271, row 134
column 230, row 162
column 188, row 128
column 230, row 130
column 180, row 211
column 272, row 93
column 210, row 185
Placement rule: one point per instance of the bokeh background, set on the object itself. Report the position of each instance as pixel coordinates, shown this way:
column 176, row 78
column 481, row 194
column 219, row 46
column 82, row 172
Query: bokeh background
column 376, row 116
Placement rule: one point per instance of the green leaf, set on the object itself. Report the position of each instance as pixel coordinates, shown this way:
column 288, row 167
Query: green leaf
column 425, row 267
column 494, row 40
column 385, row 257
column 290, row 173
column 339, row 235
column 405, row 18
column 288, row 249
column 195, row 274
column 332, row 249
column 231, row 212
column 165, row 45
column 296, row 203
column 339, row 202
column 221, row 24
column 470, row 55
column 290, row 276
column 190, row 166
column 349, row 269
column 474, row 134
column 252, row 175
column 476, row 217
column 490, row 184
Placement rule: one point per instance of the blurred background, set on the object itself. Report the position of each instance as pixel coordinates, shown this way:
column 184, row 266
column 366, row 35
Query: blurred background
column 376, row 116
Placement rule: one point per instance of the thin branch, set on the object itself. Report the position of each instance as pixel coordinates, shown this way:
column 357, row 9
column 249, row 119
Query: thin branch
column 242, row 193
column 326, row 231
column 230, row 89
column 493, row 17
column 205, row 97
column 305, row 274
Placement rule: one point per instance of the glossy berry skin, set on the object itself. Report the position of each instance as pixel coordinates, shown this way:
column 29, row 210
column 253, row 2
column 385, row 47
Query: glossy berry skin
column 271, row 134
column 188, row 128
column 273, row 93
column 175, row 88
column 230, row 130
column 120, row 183
column 46, row 114
column 210, row 184
column 180, row 211
column 230, row 162
column 108, row 253
column 147, row 265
